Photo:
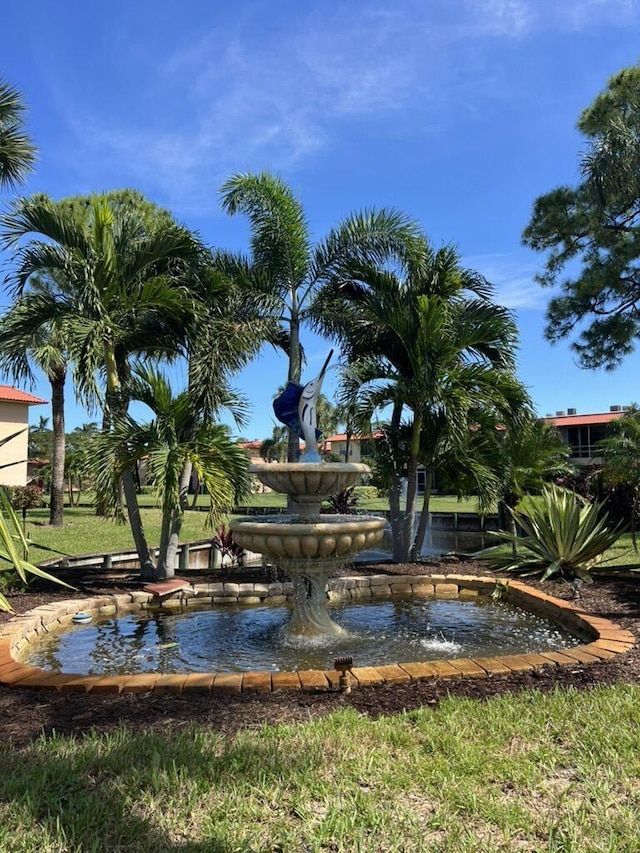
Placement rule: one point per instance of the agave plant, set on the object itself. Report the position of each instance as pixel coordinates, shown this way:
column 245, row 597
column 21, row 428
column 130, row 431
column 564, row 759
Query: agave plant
column 562, row 535
column 13, row 545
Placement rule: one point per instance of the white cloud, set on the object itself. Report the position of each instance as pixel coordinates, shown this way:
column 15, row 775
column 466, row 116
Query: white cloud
column 513, row 279
column 243, row 97
column 506, row 18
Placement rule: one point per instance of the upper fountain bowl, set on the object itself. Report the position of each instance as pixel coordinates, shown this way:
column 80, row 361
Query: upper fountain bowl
column 309, row 483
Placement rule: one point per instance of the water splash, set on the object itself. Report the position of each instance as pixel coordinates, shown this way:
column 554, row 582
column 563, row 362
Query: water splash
column 439, row 643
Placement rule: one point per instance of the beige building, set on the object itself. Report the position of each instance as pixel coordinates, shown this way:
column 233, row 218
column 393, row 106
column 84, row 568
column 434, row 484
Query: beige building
column 583, row 432
column 358, row 445
column 14, row 416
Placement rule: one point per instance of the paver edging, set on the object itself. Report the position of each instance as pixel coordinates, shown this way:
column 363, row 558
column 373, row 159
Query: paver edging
column 602, row 638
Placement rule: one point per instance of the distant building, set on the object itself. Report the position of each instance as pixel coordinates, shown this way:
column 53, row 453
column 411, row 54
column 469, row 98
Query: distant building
column 14, row 416
column 252, row 449
column 360, row 446
column 583, row 432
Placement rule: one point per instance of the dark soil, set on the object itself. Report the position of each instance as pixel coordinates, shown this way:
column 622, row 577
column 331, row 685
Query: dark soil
column 26, row 714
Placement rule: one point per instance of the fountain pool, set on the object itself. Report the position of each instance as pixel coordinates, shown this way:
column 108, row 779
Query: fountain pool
column 29, row 656
column 236, row 638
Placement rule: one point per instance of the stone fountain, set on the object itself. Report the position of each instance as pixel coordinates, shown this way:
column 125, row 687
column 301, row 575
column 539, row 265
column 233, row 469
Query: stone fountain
column 307, row 545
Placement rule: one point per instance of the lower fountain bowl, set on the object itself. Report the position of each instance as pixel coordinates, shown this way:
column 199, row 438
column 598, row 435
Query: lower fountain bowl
column 323, row 537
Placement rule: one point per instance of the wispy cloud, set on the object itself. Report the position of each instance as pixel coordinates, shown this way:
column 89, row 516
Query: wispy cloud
column 513, row 279
column 243, row 96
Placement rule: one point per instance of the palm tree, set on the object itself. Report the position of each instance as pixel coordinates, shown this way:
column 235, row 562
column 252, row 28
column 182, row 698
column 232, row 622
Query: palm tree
column 113, row 281
column 285, row 266
column 525, row 459
column 176, row 441
column 274, row 448
column 40, row 439
column 23, row 345
column 77, row 459
column 421, row 335
column 17, row 152
column 529, row 458
column 620, row 452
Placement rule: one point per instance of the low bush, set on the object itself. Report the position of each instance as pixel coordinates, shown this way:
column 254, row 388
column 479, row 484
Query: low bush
column 25, row 497
column 344, row 502
column 366, row 493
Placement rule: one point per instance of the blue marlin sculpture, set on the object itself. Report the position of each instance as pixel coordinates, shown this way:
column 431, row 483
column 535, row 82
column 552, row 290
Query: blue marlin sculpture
column 297, row 408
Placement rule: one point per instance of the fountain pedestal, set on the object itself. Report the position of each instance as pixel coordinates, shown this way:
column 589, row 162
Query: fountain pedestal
column 309, row 546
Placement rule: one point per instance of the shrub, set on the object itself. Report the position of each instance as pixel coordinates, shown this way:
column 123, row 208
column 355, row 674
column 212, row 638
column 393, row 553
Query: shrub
column 225, row 544
column 564, row 535
column 25, row 497
column 366, row 493
column 14, row 549
column 344, row 502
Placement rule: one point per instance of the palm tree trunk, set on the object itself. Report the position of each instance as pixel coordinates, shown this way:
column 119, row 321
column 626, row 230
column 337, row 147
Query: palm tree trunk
column 147, row 566
column 412, row 487
column 395, row 495
column 101, row 507
column 171, row 526
column 56, row 505
column 295, row 372
column 196, row 494
column 424, row 516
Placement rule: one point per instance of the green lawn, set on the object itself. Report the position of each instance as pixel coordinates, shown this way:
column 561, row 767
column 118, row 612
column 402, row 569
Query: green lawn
column 438, row 503
column 532, row 772
column 85, row 533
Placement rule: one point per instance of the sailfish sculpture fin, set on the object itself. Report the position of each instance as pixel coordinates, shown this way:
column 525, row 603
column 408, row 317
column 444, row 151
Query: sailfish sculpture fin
column 297, row 408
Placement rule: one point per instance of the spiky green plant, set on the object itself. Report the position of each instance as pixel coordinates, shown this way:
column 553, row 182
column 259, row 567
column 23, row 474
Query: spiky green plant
column 13, row 544
column 563, row 535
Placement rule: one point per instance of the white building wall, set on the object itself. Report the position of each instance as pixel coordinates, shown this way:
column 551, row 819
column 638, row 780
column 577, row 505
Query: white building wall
column 13, row 417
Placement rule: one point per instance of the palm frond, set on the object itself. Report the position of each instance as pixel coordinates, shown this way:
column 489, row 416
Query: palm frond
column 280, row 240
column 17, row 152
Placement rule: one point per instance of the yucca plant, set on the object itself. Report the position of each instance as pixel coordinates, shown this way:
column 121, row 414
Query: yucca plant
column 563, row 535
column 13, row 545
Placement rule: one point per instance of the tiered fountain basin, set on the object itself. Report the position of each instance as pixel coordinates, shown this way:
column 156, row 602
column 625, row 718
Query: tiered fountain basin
column 328, row 536
column 306, row 545
column 596, row 639
column 309, row 483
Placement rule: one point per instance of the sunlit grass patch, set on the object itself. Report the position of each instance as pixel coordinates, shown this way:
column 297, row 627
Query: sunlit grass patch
column 530, row 772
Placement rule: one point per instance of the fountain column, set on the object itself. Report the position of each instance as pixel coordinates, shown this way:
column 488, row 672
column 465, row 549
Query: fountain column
column 309, row 546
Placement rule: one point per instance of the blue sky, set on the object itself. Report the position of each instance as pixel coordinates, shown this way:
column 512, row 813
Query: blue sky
column 459, row 112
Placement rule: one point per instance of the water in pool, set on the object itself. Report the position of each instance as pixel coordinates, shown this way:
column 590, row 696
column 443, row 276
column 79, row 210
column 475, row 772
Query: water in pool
column 236, row 639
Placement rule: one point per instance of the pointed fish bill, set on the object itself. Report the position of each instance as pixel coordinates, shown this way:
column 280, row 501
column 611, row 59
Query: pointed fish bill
column 324, row 366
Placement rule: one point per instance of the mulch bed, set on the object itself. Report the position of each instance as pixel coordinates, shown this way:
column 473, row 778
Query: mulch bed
column 27, row 714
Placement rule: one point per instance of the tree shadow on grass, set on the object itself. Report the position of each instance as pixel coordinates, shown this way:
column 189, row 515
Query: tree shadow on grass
column 152, row 793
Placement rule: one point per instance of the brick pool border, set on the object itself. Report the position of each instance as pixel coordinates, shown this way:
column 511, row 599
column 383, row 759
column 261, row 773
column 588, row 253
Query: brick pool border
column 601, row 638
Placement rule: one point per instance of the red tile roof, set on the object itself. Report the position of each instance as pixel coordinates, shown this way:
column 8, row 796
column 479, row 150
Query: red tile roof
column 13, row 395
column 583, row 420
